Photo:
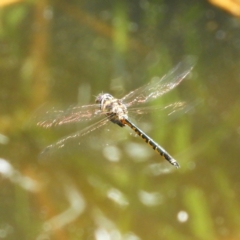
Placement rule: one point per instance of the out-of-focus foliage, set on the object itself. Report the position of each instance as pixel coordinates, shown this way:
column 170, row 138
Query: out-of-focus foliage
column 113, row 186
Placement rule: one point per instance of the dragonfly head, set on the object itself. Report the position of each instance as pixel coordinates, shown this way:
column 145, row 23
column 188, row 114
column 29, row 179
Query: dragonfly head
column 102, row 97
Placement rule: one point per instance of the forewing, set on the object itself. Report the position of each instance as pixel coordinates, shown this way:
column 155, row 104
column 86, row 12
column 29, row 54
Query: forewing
column 73, row 114
column 159, row 86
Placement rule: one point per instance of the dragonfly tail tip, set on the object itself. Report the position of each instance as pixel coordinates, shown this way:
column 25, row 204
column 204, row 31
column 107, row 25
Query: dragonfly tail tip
column 175, row 164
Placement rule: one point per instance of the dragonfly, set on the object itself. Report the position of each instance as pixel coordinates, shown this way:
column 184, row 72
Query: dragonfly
column 115, row 110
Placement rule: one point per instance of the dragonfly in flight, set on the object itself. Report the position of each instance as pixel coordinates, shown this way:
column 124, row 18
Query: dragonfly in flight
column 116, row 110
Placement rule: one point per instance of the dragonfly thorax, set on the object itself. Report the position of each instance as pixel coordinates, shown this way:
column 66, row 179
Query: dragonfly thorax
column 114, row 108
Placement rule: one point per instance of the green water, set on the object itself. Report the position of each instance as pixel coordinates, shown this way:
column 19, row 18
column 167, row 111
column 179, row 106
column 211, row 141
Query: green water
column 113, row 186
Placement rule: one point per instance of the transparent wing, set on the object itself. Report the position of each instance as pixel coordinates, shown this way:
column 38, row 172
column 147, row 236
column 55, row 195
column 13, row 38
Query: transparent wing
column 160, row 86
column 76, row 137
column 170, row 108
column 72, row 114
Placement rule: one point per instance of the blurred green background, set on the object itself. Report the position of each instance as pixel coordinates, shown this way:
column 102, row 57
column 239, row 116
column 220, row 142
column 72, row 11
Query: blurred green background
column 60, row 53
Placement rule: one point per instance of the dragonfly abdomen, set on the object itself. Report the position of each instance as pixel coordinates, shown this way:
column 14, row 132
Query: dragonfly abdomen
column 152, row 143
